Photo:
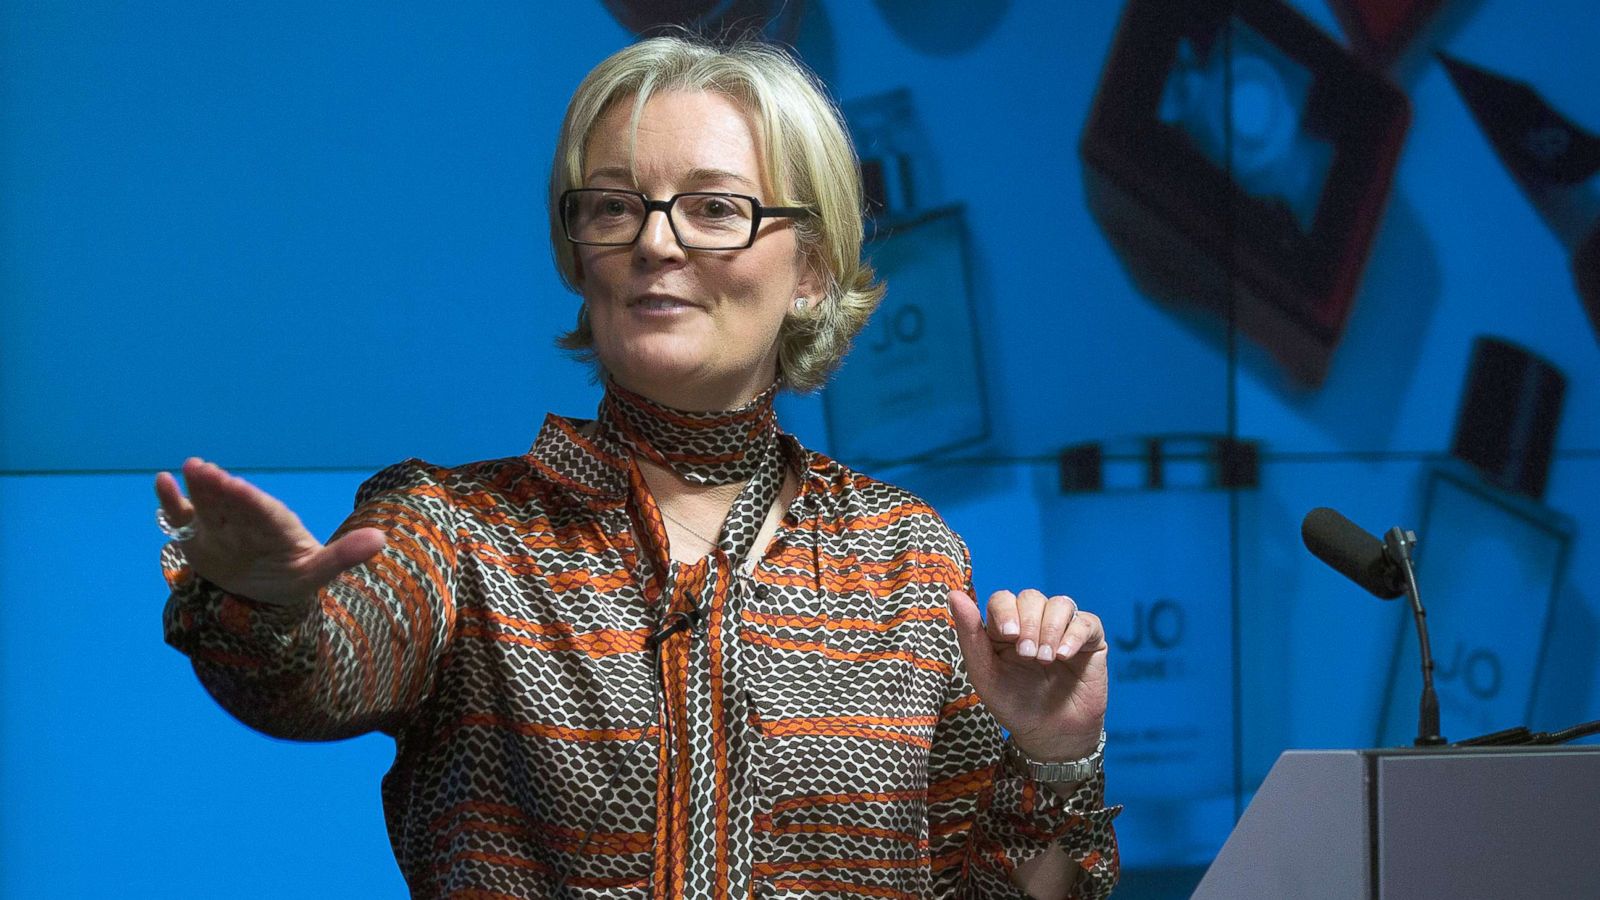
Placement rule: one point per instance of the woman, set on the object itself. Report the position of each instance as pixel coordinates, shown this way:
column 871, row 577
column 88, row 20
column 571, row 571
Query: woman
column 669, row 652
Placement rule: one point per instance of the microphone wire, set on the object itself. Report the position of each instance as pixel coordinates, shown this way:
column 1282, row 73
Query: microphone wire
column 1521, row 736
column 1570, row 734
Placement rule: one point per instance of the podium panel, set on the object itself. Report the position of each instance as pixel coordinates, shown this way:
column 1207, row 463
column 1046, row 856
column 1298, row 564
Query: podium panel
column 1404, row 823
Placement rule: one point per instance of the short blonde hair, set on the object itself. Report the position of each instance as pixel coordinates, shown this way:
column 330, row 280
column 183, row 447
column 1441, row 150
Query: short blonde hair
column 808, row 159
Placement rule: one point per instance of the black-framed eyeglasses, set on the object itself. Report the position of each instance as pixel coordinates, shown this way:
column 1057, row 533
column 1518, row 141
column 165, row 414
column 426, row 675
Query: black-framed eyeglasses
column 700, row 220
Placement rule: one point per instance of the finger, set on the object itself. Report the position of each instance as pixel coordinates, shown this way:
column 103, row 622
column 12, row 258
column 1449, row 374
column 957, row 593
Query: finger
column 1086, row 633
column 970, row 633
column 1002, row 617
column 178, row 509
column 228, row 495
column 1030, row 607
column 225, row 499
column 204, row 481
column 249, row 500
column 1058, row 613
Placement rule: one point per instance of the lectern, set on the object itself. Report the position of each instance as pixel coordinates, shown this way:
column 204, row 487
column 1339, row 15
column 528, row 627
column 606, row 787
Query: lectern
column 1413, row 824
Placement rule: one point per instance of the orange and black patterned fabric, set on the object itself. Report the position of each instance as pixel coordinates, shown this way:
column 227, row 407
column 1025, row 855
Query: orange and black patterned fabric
column 810, row 732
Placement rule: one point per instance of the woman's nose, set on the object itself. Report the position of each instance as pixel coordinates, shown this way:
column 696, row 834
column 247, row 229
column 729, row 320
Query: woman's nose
column 657, row 240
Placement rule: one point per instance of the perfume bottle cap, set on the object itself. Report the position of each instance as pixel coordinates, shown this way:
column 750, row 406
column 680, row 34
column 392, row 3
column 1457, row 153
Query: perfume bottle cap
column 1510, row 409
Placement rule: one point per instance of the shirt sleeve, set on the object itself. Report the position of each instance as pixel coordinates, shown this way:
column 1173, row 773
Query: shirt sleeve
column 985, row 820
column 363, row 655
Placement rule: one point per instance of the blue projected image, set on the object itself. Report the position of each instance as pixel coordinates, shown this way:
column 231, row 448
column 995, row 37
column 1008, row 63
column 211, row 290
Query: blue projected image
column 1272, row 157
column 309, row 240
column 112, row 750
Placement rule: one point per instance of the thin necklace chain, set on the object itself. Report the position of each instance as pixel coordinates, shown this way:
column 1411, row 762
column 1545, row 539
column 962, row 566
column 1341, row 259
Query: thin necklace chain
column 716, row 495
column 685, row 525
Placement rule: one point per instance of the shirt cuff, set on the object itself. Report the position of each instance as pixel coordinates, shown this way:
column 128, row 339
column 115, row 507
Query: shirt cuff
column 209, row 624
column 1031, row 816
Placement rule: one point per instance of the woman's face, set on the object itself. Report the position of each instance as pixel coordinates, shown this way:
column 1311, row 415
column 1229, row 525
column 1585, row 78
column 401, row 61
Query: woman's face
column 693, row 329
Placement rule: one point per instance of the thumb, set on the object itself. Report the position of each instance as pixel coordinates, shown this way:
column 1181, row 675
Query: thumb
column 973, row 637
column 346, row 552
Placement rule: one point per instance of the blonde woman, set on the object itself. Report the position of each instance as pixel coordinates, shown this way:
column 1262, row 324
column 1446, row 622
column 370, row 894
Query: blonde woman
column 669, row 652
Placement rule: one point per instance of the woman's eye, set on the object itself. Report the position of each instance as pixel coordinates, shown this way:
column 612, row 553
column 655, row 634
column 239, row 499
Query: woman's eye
column 714, row 207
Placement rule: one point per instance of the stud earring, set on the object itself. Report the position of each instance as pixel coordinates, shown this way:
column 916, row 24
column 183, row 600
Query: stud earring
column 799, row 304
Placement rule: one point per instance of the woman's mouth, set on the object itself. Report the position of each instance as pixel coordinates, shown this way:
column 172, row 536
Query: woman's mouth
column 660, row 303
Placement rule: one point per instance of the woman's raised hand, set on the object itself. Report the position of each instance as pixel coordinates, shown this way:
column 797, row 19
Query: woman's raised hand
column 1039, row 663
column 248, row 543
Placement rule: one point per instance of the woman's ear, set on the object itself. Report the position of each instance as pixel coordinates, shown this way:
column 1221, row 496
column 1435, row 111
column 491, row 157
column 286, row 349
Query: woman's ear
column 813, row 280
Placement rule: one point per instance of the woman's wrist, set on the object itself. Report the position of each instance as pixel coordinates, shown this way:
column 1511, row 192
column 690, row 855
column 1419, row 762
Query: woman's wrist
column 1065, row 748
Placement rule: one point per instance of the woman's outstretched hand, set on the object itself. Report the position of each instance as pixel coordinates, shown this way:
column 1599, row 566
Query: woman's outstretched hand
column 248, row 543
column 1039, row 665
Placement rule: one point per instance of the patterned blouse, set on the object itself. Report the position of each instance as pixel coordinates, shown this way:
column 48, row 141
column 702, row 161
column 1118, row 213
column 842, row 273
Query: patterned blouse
column 576, row 715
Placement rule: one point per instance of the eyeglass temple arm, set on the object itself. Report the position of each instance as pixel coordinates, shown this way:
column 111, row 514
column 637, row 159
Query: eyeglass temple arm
column 784, row 211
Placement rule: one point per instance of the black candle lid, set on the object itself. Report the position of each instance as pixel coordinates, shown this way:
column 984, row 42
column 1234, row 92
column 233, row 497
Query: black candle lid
column 1510, row 410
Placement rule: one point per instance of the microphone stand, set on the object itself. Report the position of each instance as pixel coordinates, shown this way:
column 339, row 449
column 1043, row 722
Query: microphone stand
column 1397, row 544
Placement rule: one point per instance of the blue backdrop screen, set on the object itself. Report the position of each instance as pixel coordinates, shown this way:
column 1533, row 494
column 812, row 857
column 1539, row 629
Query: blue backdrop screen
column 307, row 240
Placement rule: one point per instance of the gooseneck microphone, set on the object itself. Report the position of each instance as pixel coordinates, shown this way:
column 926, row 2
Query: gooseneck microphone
column 1385, row 569
column 1352, row 552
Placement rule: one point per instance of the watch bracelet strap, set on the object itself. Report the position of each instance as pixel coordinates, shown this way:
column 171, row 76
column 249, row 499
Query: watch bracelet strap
column 1056, row 772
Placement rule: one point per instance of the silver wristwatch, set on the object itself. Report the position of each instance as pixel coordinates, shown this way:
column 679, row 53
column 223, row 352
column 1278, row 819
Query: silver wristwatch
column 1056, row 772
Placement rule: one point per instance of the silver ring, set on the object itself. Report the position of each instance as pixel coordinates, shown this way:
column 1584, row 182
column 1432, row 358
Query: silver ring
column 178, row 533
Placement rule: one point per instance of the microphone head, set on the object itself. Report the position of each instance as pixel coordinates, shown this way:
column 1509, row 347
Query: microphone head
column 1352, row 552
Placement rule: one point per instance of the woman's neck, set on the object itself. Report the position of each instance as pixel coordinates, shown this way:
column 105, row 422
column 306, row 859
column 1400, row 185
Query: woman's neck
column 696, row 396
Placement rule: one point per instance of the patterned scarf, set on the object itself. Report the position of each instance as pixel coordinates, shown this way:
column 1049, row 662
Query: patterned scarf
column 706, row 448
column 707, row 794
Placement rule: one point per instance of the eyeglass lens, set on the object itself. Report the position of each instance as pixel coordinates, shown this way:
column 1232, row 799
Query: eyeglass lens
column 705, row 221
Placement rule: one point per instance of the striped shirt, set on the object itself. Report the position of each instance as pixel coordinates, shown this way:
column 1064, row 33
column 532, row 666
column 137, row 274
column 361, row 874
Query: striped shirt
column 812, row 735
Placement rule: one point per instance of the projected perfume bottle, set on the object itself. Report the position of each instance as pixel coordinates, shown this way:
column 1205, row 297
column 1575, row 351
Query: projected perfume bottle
column 1238, row 160
column 917, row 360
column 1490, row 552
column 1140, row 526
column 1556, row 163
